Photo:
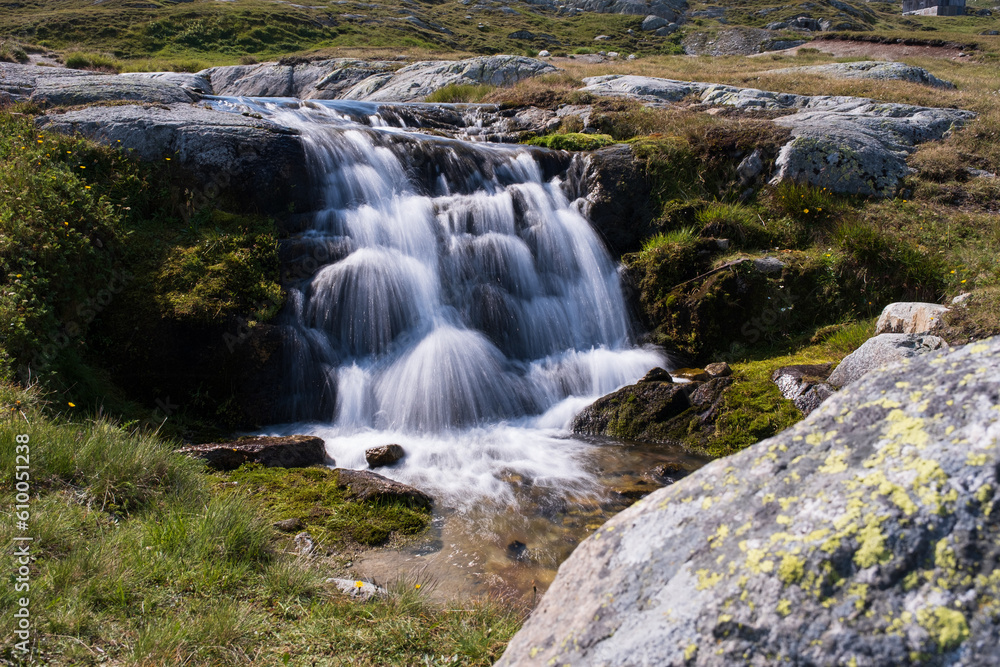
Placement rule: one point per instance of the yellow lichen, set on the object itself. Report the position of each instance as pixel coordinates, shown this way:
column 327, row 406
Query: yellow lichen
column 791, row 569
column 835, row 462
column 784, row 607
column 947, row 627
column 707, row 579
column 872, row 549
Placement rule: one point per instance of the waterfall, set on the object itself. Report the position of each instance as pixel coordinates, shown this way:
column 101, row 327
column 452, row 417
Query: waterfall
column 462, row 305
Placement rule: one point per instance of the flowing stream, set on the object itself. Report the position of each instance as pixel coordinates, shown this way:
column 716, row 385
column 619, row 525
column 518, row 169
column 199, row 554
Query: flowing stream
column 457, row 302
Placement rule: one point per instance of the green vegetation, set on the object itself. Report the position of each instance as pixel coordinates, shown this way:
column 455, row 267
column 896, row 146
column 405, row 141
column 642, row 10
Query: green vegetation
column 98, row 250
column 573, row 141
column 313, row 496
column 12, row 52
column 140, row 559
column 458, row 93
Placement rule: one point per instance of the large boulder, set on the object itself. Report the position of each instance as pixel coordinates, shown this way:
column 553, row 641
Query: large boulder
column 880, row 351
column 911, row 318
column 76, row 90
column 321, row 79
column 294, row 451
column 252, row 164
column 871, row 69
column 632, row 411
column 19, row 81
column 367, row 485
column 867, row 534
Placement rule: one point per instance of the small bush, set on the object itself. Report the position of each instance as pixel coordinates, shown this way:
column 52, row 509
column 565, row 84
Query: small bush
column 12, row 52
column 733, row 221
column 685, row 236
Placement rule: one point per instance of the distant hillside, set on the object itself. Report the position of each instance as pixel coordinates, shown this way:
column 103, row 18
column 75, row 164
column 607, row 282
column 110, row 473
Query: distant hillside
column 206, row 32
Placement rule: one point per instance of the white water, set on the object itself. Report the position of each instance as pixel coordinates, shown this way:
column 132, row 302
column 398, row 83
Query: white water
column 470, row 313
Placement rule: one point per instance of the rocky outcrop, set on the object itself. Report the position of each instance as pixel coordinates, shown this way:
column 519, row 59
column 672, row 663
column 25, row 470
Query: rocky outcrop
column 294, row 451
column 804, row 385
column 630, row 412
column 666, row 9
column 847, row 144
column 367, row 485
column 618, row 199
column 867, row 534
column 77, row 90
column 911, row 318
column 737, row 42
column 254, row 164
column 880, row 351
column 377, row 81
column 196, row 83
column 871, row 69
column 19, row 81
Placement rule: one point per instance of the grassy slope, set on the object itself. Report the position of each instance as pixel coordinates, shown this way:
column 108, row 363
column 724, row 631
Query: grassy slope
column 140, row 559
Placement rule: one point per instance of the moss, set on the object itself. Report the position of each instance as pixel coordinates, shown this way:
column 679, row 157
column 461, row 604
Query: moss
column 314, row 496
column 573, row 141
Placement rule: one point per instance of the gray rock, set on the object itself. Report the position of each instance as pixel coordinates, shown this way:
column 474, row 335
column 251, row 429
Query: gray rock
column 668, row 9
column 911, row 318
column 417, row 81
column 643, row 88
column 196, row 83
column 19, row 80
column 71, row 90
column 657, row 375
column 803, row 385
column 668, row 29
column 357, row 589
column 865, row 534
column 736, row 42
column 294, row 451
column 384, row 455
column 750, row 167
column 768, row 264
column 253, row 163
column 719, row 369
column 872, row 69
column 306, row 546
column 961, row 299
column 880, row 351
column 321, row 79
column 633, row 412
column 651, row 23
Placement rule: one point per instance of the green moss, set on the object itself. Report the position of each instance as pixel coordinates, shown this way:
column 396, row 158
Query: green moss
column 573, row 141
column 324, row 507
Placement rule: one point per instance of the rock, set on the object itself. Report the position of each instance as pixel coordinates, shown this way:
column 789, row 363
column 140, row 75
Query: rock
column 633, row 412
column 612, row 54
column 668, row 9
column 289, row 525
column 517, row 551
column 668, row 29
column 293, row 451
column 323, row 79
column 197, row 83
column 691, row 374
column 385, row 455
column 544, row 54
column 750, row 167
column 864, row 534
column 736, row 42
column 417, row 81
column 657, row 375
column 707, row 398
column 305, row 545
column 617, row 197
column 357, row 589
column 601, row 38
column 719, row 369
column 871, row 69
column 911, row 318
column 367, row 485
column 804, row 385
column 768, row 265
column 19, row 80
column 651, row 23
column 643, row 88
column 70, row 91
column 669, row 473
column 881, row 351
column 255, row 165
column 961, row 298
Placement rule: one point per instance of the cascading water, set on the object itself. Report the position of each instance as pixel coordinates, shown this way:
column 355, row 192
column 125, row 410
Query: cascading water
column 450, row 297
column 463, row 307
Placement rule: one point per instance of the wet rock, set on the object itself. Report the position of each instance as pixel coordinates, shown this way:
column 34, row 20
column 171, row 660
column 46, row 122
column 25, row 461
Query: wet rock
column 911, row 318
column 517, row 551
column 288, row 525
column 707, row 398
column 718, row 369
column 367, row 485
column 384, row 455
column 633, row 412
column 872, row 69
column 880, row 351
column 70, row 91
column 293, row 451
column 657, row 375
column 858, row 535
column 691, row 374
column 669, row 473
column 634, row 489
column 251, row 164
column 357, row 589
column 617, row 195
column 804, row 385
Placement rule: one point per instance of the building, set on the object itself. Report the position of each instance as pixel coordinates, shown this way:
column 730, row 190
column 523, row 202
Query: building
column 934, row 7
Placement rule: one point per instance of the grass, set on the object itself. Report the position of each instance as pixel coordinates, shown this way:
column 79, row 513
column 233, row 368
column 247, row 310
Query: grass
column 456, row 93
column 141, row 558
column 573, row 141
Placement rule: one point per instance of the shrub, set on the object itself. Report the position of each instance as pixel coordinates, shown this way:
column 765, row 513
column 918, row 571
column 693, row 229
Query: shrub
column 12, row 52
column 100, row 62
